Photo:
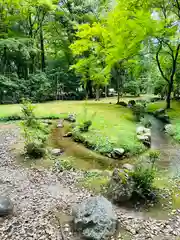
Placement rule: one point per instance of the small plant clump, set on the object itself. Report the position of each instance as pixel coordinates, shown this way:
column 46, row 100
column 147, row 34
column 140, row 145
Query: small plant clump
column 153, row 157
column 84, row 127
column 145, row 122
column 143, row 178
column 34, row 132
column 138, row 111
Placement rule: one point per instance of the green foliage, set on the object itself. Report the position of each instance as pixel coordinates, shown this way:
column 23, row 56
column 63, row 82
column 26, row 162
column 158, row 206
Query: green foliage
column 144, row 179
column 35, row 132
column 138, row 111
column 132, row 88
column 61, row 165
column 145, row 122
column 94, row 181
column 153, row 157
column 84, row 127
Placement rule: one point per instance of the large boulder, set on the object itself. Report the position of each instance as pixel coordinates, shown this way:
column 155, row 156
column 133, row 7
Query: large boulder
column 121, row 186
column 6, row 206
column 95, row 218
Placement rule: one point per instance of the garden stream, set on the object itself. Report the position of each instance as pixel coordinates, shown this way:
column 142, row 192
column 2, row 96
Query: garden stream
column 169, row 149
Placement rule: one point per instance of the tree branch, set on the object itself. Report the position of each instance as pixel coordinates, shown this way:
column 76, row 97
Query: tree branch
column 178, row 7
column 159, row 64
column 170, row 48
column 175, row 61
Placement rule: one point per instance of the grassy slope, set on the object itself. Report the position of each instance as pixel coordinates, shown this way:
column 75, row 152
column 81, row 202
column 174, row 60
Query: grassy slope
column 174, row 114
column 111, row 123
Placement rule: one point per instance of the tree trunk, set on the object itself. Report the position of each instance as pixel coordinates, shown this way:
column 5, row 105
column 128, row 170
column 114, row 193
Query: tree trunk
column 89, row 89
column 118, row 86
column 118, row 98
column 43, row 65
column 106, row 91
column 97, row 93
column 168, row 99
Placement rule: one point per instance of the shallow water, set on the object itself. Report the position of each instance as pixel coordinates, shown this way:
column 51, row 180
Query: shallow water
column 82, row 157
column 169, row 149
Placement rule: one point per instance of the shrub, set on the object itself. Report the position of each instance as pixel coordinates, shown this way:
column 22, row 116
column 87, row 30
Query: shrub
column 35, row 132
column 138, row 111
column 131, row 103
column 143, row 178
column 84, row 127
column 132, row 87
column 85, row 120
column 35, row 149
column 153, row 157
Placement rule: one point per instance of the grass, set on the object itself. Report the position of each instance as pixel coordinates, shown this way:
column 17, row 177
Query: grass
column 113, row 125
column 94, row 181
column 173, row 113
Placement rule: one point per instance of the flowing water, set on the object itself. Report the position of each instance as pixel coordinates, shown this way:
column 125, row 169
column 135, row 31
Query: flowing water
column 169, row 149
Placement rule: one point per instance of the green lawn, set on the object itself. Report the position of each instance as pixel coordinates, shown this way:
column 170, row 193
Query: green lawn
column 112, row 124
column 56, row 108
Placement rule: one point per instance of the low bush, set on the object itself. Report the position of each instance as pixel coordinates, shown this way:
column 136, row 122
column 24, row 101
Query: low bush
column 84, row 127
column 62, row 165
column 35, row 149
column 138, row 111
column 143, row 178
column 35, row 132
column 153, row 157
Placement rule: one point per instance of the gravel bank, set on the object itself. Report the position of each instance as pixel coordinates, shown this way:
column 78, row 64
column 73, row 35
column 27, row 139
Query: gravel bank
column 37, row 194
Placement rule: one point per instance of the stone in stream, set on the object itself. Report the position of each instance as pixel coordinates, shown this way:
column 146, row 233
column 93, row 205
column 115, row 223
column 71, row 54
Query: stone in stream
column 56, row 152
column 6, row 206
column 68, row 134
column 95, row 218
column 145, row 140
column 71, row 118
column 117, row 152
column 60, row 123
